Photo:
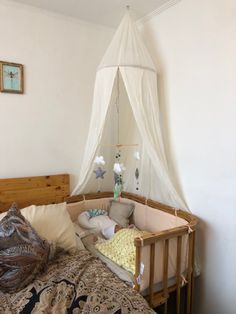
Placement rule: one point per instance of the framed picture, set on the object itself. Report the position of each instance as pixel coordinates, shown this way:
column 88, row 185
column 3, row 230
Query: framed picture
column 11, row 77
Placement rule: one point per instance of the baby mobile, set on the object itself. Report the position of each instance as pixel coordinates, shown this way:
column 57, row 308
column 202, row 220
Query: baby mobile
column 118, row 170
column 118, row 167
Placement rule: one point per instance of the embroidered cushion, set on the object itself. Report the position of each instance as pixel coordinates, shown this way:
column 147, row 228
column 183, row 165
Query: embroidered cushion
column 23, row 254
column 96, row 212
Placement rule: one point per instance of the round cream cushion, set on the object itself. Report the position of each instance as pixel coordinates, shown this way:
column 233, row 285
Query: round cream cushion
column 98, row 223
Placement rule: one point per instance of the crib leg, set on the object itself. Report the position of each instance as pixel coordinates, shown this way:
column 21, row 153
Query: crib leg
column 189, row 298
column 165, row 307
column 178, row 273
column 190, row 274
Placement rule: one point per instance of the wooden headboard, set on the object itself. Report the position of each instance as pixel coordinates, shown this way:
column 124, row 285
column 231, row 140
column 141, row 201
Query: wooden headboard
column 33, row 190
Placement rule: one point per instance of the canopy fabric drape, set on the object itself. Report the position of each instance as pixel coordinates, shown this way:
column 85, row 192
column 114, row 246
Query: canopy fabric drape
column 102, row 95
column 141, row 87
column 128, row 60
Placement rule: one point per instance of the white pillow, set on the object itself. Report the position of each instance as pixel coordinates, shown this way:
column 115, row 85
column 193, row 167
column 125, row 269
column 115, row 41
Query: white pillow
column 53, row 223
column 97, row 223
column 102, row 222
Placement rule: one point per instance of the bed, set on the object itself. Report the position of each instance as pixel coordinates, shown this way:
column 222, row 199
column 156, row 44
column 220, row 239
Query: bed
column 71, row 283
column 173, row 242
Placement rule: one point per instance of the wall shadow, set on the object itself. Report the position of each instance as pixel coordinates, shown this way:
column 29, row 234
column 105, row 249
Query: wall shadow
column 164, row 105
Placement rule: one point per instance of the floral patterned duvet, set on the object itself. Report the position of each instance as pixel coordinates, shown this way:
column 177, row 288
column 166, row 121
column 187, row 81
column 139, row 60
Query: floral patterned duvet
column 74, row 284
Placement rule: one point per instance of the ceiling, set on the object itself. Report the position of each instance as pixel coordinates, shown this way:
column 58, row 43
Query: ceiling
column 104, row 12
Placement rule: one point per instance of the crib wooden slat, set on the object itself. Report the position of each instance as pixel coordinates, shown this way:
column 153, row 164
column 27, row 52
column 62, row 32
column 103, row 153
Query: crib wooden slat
column 165, row 272
column 190, row 272
column 152, row 272
column 178, row 273
column 137, row 267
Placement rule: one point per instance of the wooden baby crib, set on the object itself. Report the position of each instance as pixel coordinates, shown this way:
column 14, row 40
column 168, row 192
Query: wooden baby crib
column 183, row 235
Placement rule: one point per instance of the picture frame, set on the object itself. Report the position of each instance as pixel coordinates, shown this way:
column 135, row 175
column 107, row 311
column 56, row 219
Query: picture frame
column 11, row 77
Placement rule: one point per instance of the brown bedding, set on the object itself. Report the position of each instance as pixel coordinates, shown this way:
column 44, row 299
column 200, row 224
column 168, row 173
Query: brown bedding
column 74, row 284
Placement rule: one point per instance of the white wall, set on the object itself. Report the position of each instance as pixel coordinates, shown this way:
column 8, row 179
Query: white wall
column 194, row 43
column 44, row 131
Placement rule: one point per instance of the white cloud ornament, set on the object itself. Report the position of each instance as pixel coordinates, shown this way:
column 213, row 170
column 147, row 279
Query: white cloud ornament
column 99, row 160
column 137, row 155
column 118, row 168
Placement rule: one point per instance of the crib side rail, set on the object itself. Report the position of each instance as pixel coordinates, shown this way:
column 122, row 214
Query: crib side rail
column 151, row 240
column 163, row 235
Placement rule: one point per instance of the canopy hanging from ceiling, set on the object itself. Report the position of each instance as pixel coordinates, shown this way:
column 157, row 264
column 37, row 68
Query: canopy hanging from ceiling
column 128, row 60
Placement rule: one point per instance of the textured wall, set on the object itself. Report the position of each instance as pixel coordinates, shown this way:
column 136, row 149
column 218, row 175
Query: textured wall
column 44, row 131
column 194, row 43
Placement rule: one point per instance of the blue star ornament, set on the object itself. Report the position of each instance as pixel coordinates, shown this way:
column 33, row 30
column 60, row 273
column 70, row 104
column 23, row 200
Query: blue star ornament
column 99, row 173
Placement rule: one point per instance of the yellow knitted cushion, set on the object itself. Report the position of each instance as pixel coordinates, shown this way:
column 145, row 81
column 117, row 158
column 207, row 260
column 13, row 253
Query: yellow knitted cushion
column 120, row 248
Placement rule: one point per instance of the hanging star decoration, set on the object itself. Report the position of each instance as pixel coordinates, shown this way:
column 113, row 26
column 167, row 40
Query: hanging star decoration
column 99, row 173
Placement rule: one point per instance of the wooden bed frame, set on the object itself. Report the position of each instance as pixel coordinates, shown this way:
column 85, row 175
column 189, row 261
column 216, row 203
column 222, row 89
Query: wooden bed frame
column 55, row 189
column 41, row 190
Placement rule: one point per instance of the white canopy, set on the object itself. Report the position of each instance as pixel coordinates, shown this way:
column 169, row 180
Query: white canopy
column 128, row 60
